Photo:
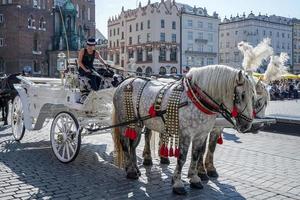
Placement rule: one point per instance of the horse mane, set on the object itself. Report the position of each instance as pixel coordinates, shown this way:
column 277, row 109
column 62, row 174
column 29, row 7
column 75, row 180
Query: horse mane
column 218, row 81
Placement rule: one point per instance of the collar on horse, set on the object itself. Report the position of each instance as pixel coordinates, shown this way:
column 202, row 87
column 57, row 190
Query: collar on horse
column 209, row 106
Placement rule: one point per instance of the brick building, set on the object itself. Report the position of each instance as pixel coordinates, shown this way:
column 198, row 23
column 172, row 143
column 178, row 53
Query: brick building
column 32, row 32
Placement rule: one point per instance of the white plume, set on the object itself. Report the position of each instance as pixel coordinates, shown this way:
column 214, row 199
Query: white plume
column 253, row 57
column 276, row 67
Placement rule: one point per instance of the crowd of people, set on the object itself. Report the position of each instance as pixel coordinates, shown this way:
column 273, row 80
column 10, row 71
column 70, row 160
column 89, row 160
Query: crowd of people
column 284, row 89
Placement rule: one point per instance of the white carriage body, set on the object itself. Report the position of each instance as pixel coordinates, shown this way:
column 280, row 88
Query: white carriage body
column 43, row 98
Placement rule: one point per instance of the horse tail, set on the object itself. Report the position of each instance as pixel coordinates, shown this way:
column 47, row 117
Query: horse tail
column 116, row 135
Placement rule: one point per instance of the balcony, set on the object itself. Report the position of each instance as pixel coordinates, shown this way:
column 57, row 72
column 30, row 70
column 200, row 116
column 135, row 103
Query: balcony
column 202, row 41
column 202, row 53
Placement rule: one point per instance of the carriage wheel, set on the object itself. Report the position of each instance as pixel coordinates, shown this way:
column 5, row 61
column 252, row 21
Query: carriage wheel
column 65, row 137
column 17, row 119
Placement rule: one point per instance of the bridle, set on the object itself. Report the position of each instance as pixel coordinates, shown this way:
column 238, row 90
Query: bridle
column 203, row 101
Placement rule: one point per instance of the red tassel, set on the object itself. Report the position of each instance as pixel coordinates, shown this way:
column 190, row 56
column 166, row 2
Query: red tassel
column 220, row 140
column 171, row 152
column 152, row 111
column 166, row 152
column 130, row 133
column 177, row 152
column 254, row 114
column 234, row 112
column 162, row 150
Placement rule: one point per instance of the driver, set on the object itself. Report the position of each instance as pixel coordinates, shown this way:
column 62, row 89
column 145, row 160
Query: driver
column 85, row 61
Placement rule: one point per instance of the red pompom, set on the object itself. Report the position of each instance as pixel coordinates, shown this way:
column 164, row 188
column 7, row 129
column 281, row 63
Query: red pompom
column 171, row 152
column 152, row 111
column 234, row 112
column 220, row 140
column 254, row 114
column 177, row 153
column 130, row 133
column 162, row 150
column 166, row 152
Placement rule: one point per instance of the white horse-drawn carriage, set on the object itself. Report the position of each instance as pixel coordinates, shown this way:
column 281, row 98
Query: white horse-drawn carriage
column 43, row 99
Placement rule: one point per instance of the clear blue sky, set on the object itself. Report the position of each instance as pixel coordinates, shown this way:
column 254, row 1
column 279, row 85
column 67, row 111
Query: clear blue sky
column 286, row 8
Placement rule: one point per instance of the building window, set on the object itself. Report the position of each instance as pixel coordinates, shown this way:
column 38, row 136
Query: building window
column 137, row 27
column 200, row 35
column 277, row 34
column 130, row 40
column 139, row 55
column 210, row 37
column 200, row 24
column 173, row 25
column 31, row 22
column 149, row 54
column 83, row 13
column 117, row 43
column 148, row 71
column 122, row 23
column 264, row 32
column 110, row 44
column 117, row 59
column 122, row 49
column 130, row 54
column 162, row 71
column 190, row 47
column 210, row 61
column 110, row 33
column 173, row 38
column 190, row 23
column 236, row 56
column 139, row 39
column 139, row 71
column 210, row 48
column 36, row 67
column 173, row 70
column 42, row 24
column 227, row 44
column 162, row 37
column 114, row 32
column 1, row 42
column 173, row 54
column 190, row 35
column 89, row 14
column 282, row 35
column 118, row 31
column 122, row 36
column 162, row 23
column 1, row 18
column 130, row 28
column 210, row 26
column 162, row 54
column 148, row 37
column 148, row 24
column 142, row 26
column 270, row 33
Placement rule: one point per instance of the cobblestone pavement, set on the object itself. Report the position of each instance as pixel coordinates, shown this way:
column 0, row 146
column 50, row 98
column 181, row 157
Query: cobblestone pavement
column 251, row 166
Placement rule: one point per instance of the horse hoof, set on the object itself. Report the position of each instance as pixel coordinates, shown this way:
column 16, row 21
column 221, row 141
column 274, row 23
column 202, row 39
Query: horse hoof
column 213, row 174
column 164, row 161
column 132, row 175
column 147, row 162
column 179, row 190
column 196, row 185
column 203, row 177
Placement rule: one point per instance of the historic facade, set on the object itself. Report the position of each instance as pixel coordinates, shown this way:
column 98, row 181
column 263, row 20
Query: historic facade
column 199, row 37
column 150, row 35
column 253, row 29
column 32, row 32
column 296, row 45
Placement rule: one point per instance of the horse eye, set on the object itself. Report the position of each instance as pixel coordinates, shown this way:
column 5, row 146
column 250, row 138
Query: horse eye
column 243, row 96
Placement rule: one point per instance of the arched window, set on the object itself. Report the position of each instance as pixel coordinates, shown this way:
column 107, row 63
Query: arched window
column 69, row 22
column 139, row 71
column 42, row 23
column 148, row 71
column 173, row 70
column 31, row 22
column 162, row 71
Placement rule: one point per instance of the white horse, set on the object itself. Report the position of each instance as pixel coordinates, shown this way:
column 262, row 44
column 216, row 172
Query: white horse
column 229, row 90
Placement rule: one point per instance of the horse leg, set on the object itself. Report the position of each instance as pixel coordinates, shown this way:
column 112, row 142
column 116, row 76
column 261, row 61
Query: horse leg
column 201, row 167
column 178, row 186
column 209, row 161
column 198, row 146
column 147, row 150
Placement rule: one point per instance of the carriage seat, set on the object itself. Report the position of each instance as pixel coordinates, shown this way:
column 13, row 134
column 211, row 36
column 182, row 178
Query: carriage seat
column 84, row 85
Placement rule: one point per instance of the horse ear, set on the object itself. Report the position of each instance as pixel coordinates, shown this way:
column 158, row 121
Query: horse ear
column 241, row 78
